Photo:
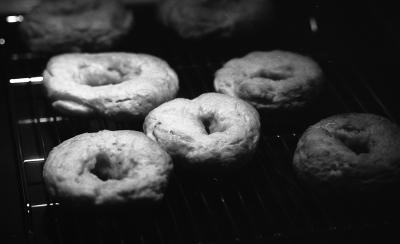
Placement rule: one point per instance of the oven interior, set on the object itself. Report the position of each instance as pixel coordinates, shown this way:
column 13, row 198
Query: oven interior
column 265, row 202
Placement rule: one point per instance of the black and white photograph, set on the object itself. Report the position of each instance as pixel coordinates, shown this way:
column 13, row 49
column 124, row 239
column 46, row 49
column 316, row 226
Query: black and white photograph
column 199, row 122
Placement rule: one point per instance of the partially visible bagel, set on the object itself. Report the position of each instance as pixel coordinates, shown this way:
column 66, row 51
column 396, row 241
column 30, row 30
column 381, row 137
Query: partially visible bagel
column 75, row 25
column 196, row 19
column 352, row 151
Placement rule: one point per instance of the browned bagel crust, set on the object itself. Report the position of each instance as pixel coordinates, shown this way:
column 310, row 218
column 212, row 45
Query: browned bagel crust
column 212, row 131
column 75, row 25
column 271, row 80
column 116, row 85
column 355, row 151
column 107, row 168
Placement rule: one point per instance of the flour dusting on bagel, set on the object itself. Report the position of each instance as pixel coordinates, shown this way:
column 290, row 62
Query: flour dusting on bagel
column 107, row 168
column 115, row 85
column 212, row 131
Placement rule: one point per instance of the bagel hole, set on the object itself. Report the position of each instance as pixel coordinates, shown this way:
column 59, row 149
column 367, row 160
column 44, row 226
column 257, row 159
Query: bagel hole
column 207, row 124
column 105, row 170
column 112, row 75
column 211, row 125
column 355, row 144
column 281, row 73
column 271, row 75
column 101, row 78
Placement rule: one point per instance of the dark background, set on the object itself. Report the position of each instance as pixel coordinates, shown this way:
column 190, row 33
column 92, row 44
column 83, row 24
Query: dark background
column 365, row 36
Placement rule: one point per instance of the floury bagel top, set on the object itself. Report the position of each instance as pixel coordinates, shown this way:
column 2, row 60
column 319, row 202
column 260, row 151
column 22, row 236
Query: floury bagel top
column 107, row 168
column 212, row 131
column 116, row 85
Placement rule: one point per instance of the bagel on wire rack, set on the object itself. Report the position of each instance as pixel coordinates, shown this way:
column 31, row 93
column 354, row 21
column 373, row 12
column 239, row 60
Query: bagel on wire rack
column 274, row 80
column 115, row 85
column 107, row 168
column 353, row 151
column 211, row 132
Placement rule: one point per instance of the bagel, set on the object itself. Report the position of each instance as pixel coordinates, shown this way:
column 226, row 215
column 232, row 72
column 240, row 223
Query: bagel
column 274, row 80
column 75, row 25
column 212, row 131
column 107, row 168
column 354, row 151
column 115, row 85
column 214, row 18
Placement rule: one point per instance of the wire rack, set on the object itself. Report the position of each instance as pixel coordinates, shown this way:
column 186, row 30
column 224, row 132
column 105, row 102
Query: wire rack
column 264, row 202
